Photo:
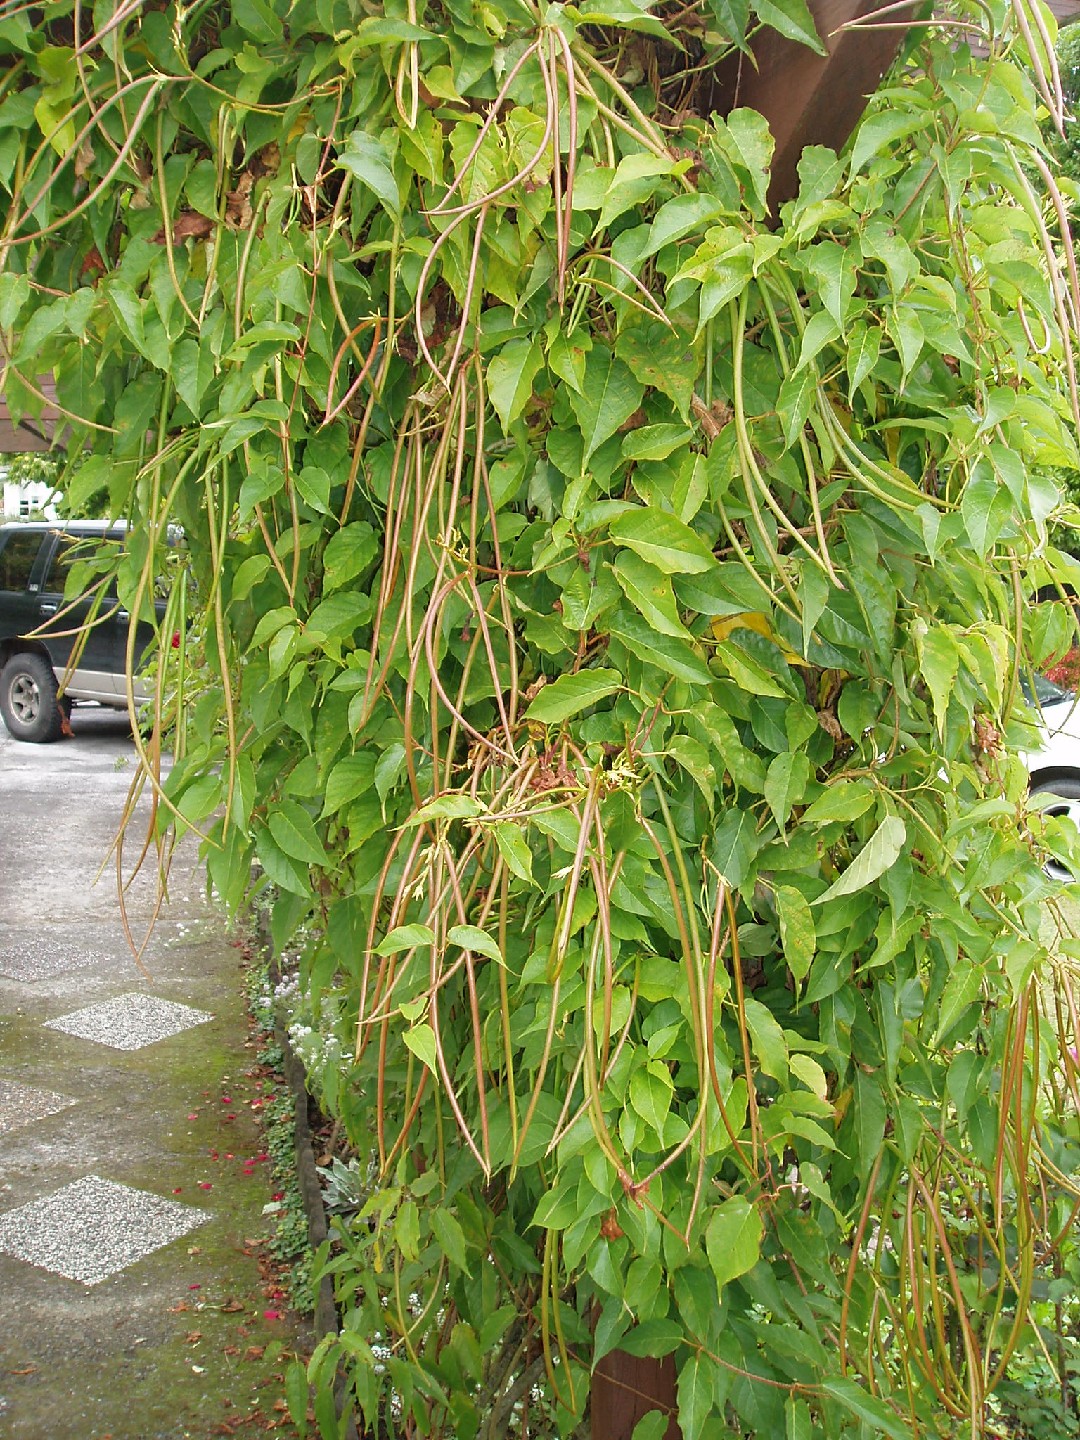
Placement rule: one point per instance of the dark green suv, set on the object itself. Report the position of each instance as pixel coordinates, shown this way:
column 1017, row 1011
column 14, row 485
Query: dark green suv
column 40, row 630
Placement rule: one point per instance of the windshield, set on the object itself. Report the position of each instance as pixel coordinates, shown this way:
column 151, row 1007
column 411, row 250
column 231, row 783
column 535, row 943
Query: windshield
column 1047, row 693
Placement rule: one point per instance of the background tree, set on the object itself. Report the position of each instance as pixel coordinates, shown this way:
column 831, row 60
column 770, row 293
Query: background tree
column 610, row 649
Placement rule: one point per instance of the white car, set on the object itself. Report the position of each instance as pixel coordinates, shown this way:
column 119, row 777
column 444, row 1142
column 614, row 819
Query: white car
column 1055, row 767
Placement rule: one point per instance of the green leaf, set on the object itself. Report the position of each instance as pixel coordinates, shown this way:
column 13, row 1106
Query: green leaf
column 450, row 1236
column 257, row 19
column 273, row 621
column 797, row 934
column 694, row 1396
column 785, row 783
column 880, row 130
column 797, row 1423
column 349, row 550
column 867, row 1408
column 626, row 14
column 961, row 989
column 650, row 1095
column 610, row 397
column 833, row 268
column 842, row 800
column 748, row 141
column 475, row 940
column 878, row 854
column 405, row 937
column 652, row 1426
column 939, row 660
column 807, row 1069
column 678, row 217
column 864, row 348
column 733, row 1240
column 869, row 1110
column 446, row 807
column 385, row 30
column 671, row 655
column 365, row 157
column 821, row 328
column 650, row 593
column 661, row 358
column 663, row 540
column 766, row 1039
column 351, row 776
column 285, row 872
column 296, row 1395
column 985, row 506
column 792, row 19
column 514, row 850
column 294, row 830
column 570, row 694
column 420, row 1039
column 655, row 442
column 908, row 336
column 558, row 1208
column 734, row 846
column 510, row 378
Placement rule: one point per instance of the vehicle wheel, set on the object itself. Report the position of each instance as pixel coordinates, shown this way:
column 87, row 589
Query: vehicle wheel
column 28, row 700
column 1058, row 797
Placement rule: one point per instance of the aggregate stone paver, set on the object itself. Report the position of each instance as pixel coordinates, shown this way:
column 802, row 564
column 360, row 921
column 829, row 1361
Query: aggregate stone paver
column 93, row 1228
column 24, row 1104
column 130, row 1022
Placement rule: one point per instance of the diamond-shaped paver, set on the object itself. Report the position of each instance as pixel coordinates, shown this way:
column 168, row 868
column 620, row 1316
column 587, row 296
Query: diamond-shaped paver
column 22, row 1104
column 94, row 1228
column 129, row 1022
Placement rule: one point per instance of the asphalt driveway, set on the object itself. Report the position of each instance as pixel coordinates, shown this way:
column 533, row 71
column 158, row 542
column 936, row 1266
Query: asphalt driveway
column 132, row 1180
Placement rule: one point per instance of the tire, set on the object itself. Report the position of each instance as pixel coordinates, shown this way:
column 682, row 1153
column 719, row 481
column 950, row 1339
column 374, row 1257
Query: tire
column 1060, row 796
column 28, row 700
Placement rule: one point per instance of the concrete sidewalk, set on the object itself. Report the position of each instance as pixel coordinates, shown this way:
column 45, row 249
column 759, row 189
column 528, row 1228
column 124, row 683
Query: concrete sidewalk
column 132, row 1179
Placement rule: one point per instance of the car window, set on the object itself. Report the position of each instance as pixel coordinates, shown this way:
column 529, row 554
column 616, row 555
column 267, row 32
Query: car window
column 85, row 554
column 17, row 560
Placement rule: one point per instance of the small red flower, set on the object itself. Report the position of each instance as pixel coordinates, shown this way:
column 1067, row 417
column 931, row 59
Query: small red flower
column 226, row 1099
column 194, row 1287
column 271, row 1314
column 194, row 1115
column 205, row 1185
column 178, row 1190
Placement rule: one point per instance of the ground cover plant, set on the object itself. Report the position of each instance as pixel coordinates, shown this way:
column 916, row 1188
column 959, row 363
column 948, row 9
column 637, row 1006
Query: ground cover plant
column 607, row 639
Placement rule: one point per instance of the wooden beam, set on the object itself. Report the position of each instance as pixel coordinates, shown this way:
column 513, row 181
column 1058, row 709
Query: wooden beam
column 29, row 433
column 811, row 99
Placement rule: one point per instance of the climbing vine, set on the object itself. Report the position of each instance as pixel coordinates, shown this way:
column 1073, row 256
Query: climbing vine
column 604, row 635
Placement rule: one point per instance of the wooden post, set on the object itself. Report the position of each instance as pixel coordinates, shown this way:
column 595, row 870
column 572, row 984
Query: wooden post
column 811, row 99
column 807, row 99
column 624, row 1388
